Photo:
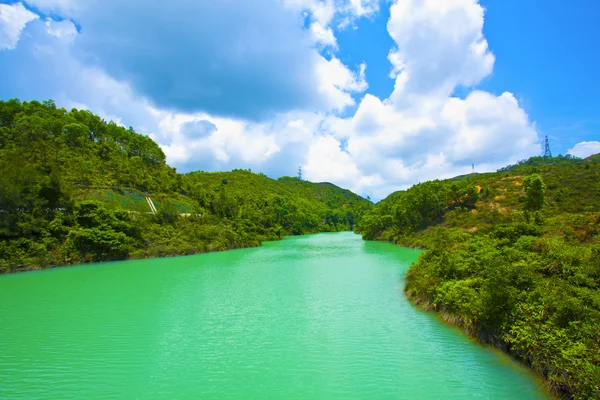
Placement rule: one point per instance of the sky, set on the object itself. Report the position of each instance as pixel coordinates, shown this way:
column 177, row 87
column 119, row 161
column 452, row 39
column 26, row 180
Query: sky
column 372, row 95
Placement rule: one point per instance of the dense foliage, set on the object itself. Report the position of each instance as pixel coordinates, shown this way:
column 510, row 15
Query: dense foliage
column 288, row 204
column 73, row 189
column 420, row 206
column 540, row 161
column 528, row 285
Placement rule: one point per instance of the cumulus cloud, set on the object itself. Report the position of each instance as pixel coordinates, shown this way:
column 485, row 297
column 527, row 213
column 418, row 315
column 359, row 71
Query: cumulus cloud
column 13, row 18
column 250, row 59
column 337, row 83
column 323, row 36
column 488, row 128
column 197, row 129
column 439, row 45
column 276, row 147
column 61, row 29
column 229, row 58
column 66, row 8
column 324, row 15
column 422, row 132
column 585, row 149
column 400, row 148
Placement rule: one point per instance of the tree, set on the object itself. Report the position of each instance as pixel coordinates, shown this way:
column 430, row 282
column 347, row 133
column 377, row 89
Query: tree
column 535, row 195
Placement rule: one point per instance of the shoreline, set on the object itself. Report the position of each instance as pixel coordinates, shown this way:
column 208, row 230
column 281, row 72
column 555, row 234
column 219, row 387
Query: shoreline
column 457, row 322
column 33, row 268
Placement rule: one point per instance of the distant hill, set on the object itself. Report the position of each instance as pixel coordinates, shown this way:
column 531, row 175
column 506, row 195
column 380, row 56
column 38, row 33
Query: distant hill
column 538, row 161
column 297, row 206
column 513, row 258
column 594, row 158
column 76, row 189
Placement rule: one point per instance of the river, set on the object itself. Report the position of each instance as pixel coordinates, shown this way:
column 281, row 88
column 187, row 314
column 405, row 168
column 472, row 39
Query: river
column 312, row 317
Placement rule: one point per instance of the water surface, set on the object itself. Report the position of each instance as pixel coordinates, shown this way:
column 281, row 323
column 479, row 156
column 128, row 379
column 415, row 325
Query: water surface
column 312, row 317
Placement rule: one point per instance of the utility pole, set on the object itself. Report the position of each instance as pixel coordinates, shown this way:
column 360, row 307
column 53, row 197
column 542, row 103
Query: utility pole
column 547, row 152
column 299, row 173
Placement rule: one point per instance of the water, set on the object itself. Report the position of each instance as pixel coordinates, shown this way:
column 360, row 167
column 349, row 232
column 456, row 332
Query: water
column 313, row 317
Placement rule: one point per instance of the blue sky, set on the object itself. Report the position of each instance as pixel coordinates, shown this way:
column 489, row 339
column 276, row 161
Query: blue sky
column 370, row 42
column 373, row 95
column 546, row 55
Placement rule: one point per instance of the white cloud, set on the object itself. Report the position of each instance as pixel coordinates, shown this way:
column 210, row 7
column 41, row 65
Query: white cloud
column 42, row 67
column 61, row 29
column 66, row 8
column 327, row 162
column 251, row 63
column 277, row 147
column 488, row 128
column 320, row 11
column 338, row 82
column 406, row 147
column 422, row 132
column 248, row 61
column 361, row 8
column 585, row 149
column 13, row 18
column 440, row 45
column 323, row 36
column 324, row 14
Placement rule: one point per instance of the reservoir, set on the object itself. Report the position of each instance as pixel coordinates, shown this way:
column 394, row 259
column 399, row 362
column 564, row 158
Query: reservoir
column 310, row 317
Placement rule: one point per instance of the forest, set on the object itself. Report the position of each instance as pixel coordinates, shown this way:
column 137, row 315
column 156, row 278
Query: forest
column 74, row 189
column 511, row 257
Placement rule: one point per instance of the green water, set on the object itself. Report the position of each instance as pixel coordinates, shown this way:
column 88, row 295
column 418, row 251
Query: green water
column 313, row 317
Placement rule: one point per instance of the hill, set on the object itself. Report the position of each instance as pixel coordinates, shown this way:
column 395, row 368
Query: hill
column 593, row 158
column 296, row 206
column 540, row 161
column 513, row 258
column 79, row 189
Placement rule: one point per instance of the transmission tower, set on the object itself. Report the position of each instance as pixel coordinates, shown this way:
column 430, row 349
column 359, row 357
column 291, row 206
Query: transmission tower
column 299, row 173
column 547, row 152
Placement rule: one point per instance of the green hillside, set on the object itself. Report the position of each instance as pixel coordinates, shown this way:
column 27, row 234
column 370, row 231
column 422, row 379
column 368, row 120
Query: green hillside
column 297, row 206
column 513, row 258
column 75, row 189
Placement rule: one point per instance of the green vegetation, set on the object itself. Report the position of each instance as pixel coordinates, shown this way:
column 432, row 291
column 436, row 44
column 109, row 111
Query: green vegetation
column 293, row 206
column 527, row 285
column 74, row 189
column 540, row 161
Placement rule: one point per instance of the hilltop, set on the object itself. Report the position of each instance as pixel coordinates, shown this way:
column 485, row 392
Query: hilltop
column 77, row 189
column 593, row 158
column 513, row 258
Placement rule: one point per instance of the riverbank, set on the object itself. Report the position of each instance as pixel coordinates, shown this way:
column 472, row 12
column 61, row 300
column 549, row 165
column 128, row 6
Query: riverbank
column 163, row 247
column 473, row 332
column 501, row 291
